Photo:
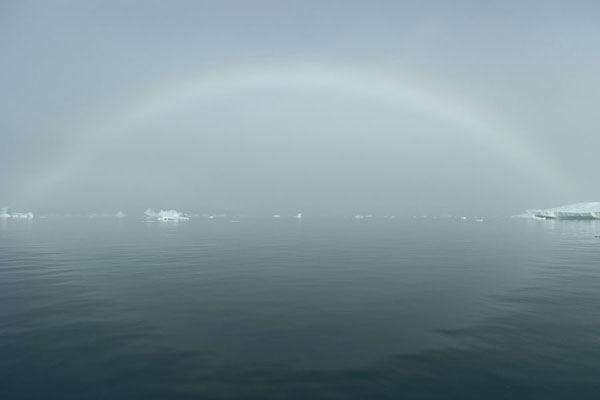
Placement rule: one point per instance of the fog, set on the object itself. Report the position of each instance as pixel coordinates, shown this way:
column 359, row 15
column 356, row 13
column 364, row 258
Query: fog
column 325, row 108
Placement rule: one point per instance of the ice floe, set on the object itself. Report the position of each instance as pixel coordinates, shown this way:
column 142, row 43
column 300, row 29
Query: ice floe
column 590, row 210
column 6, row 213
column 165, row 215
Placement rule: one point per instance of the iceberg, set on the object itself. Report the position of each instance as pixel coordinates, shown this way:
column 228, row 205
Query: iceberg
column 165, row 215
column 571, row 211
column 5, row 213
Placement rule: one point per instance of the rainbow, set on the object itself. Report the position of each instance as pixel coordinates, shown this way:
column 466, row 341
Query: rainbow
column 163, row 99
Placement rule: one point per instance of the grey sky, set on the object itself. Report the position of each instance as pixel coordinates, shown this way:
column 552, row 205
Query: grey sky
column 94, row 120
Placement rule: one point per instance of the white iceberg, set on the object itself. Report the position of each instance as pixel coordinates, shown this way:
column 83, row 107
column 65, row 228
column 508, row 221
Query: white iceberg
column 571, row 211
column 165, row 215
column 5, row 213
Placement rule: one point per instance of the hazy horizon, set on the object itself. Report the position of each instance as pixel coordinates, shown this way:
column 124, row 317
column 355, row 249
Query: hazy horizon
column 324, row 108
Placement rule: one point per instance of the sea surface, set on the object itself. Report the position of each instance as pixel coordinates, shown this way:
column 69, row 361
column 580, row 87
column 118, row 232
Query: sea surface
column 268, row 308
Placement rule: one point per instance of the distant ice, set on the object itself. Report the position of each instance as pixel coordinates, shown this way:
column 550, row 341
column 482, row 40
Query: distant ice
column 299, row 216
column 6, row 213
column 275, row 216
column 165, row 215
column 589, row 210
column 214, row 216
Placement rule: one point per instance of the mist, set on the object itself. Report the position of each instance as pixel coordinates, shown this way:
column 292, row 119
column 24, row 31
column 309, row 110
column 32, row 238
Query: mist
column 276, row 108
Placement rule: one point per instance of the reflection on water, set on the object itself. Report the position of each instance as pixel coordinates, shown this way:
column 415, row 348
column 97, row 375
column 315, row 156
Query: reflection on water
column 271, row 309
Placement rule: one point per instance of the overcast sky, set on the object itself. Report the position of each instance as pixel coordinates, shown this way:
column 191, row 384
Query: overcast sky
column 314, row 106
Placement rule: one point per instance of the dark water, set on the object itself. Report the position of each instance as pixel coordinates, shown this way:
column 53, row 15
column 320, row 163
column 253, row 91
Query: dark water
column 266, row 308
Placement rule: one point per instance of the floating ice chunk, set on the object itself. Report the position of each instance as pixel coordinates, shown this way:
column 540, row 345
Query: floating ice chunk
column 214, row 216
column 5, row 213
column 275, row 216
column 572, row 211
column 23, row 215
column 165, row 215
column 299, row 216
column 359, row 217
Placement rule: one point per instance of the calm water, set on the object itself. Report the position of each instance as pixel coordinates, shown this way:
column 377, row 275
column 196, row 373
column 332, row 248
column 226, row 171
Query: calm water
column 275, row 308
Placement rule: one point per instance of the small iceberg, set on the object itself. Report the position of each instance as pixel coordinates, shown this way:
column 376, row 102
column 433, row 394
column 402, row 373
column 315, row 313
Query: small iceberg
column 6, row 213
column 214, row 216
column 165, row 215
column 299, row 216
column 577, row 211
